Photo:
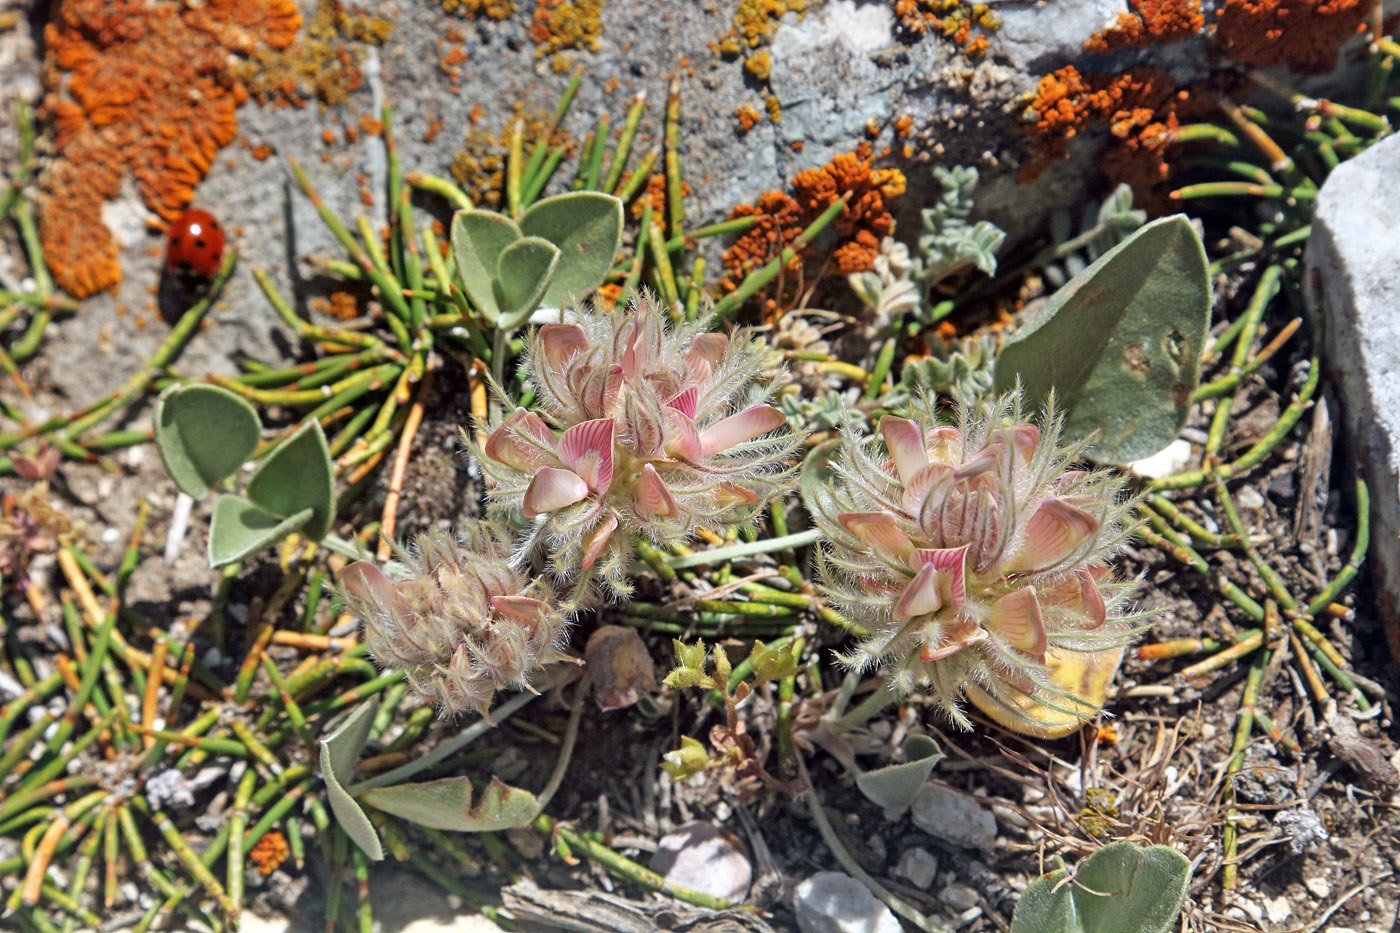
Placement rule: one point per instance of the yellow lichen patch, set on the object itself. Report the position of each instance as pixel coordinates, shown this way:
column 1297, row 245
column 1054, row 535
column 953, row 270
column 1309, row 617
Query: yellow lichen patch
column 324, row 65
column 966, row 25
column 755, row 21
column 139, row 87
column 479, row 167
column 759, row 64
column 491, row 9
column 561, row 25
column 775, row 109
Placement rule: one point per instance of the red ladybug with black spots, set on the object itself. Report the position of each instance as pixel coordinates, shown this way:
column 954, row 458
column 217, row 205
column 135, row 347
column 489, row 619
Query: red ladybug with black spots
column 195, row 245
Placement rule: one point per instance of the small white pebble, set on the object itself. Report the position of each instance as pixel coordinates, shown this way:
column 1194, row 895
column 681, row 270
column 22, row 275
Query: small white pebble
column 1249, row 498
column 111, row 536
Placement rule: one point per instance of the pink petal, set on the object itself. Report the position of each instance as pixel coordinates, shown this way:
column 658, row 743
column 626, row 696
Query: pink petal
column 685, row 442
column 920, row 597
column 736, row 429
column 1090, row 596
column 951, row 648
column 522, row 441
column 587, row 449
column 685, row 402
column 517, row 608
column 1016, row 618
column 916, row 487
column 365, row 582
column 730, row 494
column 951, row 564
column 553, row 489
column 1054, row 533
column 942, row 444
column 560, row 342
column 879, row 532
column 705, row 351
column 596, row 541
column 1025, row 438
column 906, row 445
column 652, row 499
column 599, row 389
column 1067, row 479
column 984, row 461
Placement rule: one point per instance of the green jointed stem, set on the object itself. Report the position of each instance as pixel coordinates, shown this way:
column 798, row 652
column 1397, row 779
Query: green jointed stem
column 592, row 166
column 440, row 187
column 639, row 177
column 747, row 549
column 624, row 144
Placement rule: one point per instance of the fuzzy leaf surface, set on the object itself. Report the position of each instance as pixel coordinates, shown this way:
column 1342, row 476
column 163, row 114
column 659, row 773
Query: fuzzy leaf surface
column 239, row 528
column 587, row 228
column 1122, row 888
column 893, row 787
column 525, row 270
column 204, row 434
column 298, row 475
column 339, row 752
column 478, row 240
column 1120, row 345
column 448, row 804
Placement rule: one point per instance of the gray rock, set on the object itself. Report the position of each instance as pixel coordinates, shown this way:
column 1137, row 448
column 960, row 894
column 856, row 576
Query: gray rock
column 705, row 858
column 833, row 72
column 1354, row 256
column 954, row 817
column 958, row 897
column 834, row 902
column 917, row 866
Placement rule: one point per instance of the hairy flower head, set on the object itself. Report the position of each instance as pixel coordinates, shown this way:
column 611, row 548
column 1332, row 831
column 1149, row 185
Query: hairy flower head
column 457, row 617
column 968, row 551
column 644, row 427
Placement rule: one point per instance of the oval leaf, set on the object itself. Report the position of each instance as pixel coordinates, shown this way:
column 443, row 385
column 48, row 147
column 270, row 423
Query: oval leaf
column 298, row 475
column 447, row 804
column 204, row 434
column 893, row 787
column 1122, row 888
column 1120, row 345
column 525, row 270
column 587, row 228
column 239, row 528
column 478, row 239
column 339, row 752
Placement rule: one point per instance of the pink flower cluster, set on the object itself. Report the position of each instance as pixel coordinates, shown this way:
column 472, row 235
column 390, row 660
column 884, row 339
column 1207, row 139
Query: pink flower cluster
column 967, row 551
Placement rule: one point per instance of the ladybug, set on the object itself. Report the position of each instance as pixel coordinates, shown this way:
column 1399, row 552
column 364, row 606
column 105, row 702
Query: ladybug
column 195, row 244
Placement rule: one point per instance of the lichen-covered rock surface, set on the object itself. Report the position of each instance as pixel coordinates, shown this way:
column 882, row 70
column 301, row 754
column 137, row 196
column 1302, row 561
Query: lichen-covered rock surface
column 835, row 75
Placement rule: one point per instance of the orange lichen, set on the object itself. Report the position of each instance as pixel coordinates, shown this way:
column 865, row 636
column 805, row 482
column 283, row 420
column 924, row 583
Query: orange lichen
column 145, row 88
column 747, row 117
column 781, row 217
column 270, row 852
column 654, row 193
column 262, row 152
column 1151, row 22
column 1303, row 34
column 955, row 20
column 1139, row 107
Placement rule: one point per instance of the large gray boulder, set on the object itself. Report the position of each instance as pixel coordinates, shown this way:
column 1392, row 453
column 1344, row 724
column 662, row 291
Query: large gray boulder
column 1353, row 258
